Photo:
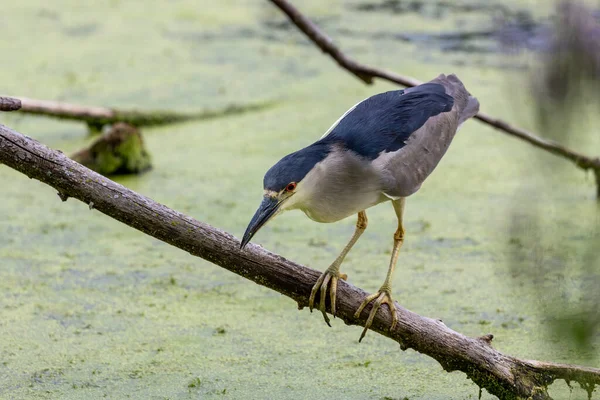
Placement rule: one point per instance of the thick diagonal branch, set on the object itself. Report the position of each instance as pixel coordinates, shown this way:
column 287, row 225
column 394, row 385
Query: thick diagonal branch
column 504, row 376
column 367, row 73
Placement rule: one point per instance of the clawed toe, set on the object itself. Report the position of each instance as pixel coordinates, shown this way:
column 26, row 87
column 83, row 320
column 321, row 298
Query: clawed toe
column 328, row 278
column 381, row 297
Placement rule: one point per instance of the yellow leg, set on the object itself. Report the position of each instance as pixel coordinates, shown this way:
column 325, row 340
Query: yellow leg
column 384, row 295
column 332, row 274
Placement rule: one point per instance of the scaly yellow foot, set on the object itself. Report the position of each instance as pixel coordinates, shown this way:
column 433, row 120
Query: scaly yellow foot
column 330, row 276
column 383, row 296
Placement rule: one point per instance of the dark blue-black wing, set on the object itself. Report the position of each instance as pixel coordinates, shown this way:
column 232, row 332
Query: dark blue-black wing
column 384, row 122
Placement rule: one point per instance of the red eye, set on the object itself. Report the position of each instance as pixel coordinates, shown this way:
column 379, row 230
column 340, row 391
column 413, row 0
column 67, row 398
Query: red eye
column 290, row 187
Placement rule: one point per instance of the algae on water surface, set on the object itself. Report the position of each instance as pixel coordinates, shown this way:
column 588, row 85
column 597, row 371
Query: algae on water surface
column 92, row 308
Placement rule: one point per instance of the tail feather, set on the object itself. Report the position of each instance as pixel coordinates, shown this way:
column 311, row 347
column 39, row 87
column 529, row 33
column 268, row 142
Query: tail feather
column 470, row 110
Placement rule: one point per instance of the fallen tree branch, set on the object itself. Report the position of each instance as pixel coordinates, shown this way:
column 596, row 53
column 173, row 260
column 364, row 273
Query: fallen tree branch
column 504, row 376
column 97, row 117
column 366, row 74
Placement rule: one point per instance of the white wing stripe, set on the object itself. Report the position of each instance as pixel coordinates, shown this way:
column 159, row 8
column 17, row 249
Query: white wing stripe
column 336, row 123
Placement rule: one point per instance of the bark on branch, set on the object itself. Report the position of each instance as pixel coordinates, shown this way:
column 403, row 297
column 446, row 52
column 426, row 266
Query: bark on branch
column 9, row 104
column 97, row 117
column 367, row 73
column 504, row 376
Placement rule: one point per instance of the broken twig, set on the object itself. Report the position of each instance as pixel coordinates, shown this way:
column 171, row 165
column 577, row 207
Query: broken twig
column 9, row 104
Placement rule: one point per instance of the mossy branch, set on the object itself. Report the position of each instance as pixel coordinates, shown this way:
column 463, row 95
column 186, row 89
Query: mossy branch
column 504, row 376
column 121, row 150
column 97, row 117
column 367, row 74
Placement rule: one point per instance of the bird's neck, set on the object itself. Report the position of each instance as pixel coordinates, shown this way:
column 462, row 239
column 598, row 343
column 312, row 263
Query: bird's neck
column 339, row 186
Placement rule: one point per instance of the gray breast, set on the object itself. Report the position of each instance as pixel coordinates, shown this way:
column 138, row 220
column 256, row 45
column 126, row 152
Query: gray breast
column 343, row 184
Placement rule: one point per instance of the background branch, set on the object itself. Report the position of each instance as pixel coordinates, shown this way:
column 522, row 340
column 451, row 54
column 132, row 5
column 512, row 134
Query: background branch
column 367, row 73
column 504, row 376
column 97, row 117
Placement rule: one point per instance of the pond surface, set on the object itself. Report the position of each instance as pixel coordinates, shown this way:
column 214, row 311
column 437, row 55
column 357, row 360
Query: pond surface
column 90, row 308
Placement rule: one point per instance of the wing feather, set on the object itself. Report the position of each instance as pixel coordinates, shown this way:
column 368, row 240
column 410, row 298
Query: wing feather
column 384, row 122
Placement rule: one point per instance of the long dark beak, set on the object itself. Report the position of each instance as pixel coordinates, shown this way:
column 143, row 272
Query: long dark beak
column 266, row 210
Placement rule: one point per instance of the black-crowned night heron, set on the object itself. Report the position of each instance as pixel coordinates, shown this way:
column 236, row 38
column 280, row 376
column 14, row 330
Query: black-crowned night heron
column 382, row 149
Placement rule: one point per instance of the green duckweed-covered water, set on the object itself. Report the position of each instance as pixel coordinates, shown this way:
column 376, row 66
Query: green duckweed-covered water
column 90, row 308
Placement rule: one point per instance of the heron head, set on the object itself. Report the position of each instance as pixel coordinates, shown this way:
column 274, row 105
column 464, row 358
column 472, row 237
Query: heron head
column 284, row 188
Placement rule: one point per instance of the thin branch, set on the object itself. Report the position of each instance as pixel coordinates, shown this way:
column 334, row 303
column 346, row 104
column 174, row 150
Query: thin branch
column 580, row 160
column 504, row 376
column 366, row 74
column 9, row 104
column 97, row 117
